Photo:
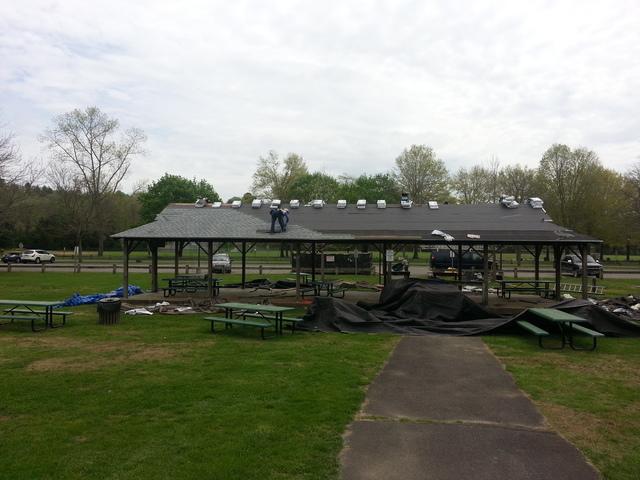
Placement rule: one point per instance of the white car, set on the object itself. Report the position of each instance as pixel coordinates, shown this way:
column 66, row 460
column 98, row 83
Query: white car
column 37, row 256
column 221, row 262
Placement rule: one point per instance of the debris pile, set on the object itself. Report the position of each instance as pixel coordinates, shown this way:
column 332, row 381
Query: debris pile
column 628, row 307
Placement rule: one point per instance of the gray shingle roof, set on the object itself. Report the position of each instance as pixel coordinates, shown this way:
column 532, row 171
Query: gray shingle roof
column 494, row 223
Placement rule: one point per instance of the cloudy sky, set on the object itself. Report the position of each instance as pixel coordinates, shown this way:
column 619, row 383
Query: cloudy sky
column 347, row 84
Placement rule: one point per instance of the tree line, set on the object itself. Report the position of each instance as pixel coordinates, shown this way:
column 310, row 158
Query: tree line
column 76, row 199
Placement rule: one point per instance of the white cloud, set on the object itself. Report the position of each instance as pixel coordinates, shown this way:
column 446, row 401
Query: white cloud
column 346, row 84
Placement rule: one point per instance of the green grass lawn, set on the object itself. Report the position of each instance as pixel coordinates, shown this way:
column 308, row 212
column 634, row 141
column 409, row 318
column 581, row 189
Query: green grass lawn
column 160, row 397
column 591, row 398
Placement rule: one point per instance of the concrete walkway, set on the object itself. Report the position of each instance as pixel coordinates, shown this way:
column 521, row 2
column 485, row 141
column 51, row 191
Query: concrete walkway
column 444, row 408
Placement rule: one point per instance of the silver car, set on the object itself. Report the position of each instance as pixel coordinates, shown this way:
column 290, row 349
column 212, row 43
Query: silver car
column 221, row 262
column 37, row 256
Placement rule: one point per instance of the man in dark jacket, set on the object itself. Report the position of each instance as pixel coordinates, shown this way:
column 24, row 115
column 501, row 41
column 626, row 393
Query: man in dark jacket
column 277, row 214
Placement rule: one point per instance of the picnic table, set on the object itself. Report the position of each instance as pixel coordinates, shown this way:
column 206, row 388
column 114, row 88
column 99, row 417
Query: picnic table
column 189, row 284
column 567, row 324
column 544, row 288
column 265, row 312
column 33, row 310
column 328, row 286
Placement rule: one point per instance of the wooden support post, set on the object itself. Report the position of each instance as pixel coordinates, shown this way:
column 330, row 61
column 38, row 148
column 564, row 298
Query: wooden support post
column 584, row 254
column 176, row 258
column 154, row 266
column 536, row 262
column 459, row 267
column 322, row 264
column 384, row 262
column 313, row 261
column 298, row 270
column 125, row 268
column 485, row 274
column 244, row 263
column 210, row 269
column 557, row 253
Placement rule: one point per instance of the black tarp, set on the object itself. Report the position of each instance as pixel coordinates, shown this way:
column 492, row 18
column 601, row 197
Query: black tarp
column 407, row 306
column 419, row 307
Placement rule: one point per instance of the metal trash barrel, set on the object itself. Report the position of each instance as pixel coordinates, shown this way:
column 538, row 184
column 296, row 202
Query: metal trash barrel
column 109, row 311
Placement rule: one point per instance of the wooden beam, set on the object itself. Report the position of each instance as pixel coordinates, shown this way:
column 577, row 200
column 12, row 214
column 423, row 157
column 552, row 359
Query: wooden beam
column 125, row 268
column 210, row 269
column 485, row 274
column 176, row 258
column 584, row 253
column 244, row 263
column 154, row 266
column 298, row 270
column 313, row 261
column 557, row 254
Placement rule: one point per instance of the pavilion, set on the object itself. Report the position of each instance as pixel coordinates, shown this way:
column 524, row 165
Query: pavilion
column 381, row 227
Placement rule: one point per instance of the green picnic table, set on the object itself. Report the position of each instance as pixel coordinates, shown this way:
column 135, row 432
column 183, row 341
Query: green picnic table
column 266, row 312
column 567, row 324
column 32, row 310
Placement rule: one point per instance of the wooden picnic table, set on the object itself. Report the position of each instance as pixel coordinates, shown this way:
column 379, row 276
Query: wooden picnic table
column 544, row 288
column 267, row 312
column 31, row 310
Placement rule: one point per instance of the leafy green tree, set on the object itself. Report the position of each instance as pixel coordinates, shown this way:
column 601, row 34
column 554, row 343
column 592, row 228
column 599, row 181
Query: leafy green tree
column 173, row 189
column 381, row 186
column 274, row 179
column 315, row 186
column 422, row 175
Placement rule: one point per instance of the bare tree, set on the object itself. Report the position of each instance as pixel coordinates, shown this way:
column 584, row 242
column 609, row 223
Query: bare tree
column 14, row 173
column 83, row 143
column 421, row 174
column 566, row 177
column 77, row 210
column 517, row 181
column 472, row 186
column 274, row 179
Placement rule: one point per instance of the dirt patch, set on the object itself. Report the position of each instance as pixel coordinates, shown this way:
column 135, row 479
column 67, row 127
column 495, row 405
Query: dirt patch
column 585, row 430
column 105, row 355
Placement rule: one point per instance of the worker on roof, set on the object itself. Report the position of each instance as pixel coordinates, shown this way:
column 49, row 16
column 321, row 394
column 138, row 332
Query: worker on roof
column 277, row 214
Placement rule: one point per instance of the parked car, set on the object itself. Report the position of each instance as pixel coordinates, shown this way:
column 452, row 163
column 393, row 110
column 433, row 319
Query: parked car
column 37, row 256
column 447, row 260
column 572, row 265
column 221, row 263
column 11, row 257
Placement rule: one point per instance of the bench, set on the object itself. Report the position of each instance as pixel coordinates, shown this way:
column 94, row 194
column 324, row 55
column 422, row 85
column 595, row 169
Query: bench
column 507, row 287
column 40, row 312
column 31, row 318
column 590, row 333
column 531, row 328
column 229, row 322
column 292, row 321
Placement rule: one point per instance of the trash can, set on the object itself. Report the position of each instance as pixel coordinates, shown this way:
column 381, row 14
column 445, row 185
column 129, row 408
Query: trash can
column 109, row 311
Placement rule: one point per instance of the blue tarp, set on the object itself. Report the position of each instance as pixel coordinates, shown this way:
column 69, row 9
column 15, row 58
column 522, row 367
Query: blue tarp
column 77, row 299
